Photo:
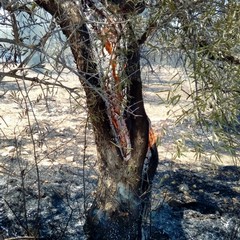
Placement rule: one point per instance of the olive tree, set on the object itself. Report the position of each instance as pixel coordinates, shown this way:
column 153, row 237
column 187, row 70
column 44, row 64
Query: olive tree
column 105, row 44
column 106, row 39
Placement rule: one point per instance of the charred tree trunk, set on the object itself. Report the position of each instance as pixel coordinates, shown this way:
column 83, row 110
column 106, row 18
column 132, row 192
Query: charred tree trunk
column 123, row 192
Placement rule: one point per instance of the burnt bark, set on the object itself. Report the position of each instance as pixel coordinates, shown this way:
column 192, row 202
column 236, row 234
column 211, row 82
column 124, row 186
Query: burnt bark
column 123, row 195
column 123, row 191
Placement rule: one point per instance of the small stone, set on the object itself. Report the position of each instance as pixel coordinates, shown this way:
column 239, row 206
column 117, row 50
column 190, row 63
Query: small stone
column 4, row 154
column 25, row 153
column 183, row 188
column 70, row 159
column 11, row 149
column 36, row 137
column 8, row 151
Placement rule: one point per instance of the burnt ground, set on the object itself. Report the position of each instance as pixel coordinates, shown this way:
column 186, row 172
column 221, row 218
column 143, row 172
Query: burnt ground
column 197, row 203
column 188, row 203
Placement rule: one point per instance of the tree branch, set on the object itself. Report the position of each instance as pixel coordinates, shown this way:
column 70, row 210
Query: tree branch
column 72, row 22
column 39, row 81
column 221, row 56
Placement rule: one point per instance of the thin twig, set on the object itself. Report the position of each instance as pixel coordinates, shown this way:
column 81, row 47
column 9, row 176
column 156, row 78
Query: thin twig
column 21, row 238
column 84, row 164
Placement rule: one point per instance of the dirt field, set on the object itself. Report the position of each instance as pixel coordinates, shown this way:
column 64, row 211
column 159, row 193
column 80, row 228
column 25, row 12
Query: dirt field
column 58, row 119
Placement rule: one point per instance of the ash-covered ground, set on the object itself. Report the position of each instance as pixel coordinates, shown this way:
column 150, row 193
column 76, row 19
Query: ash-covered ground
column 188, row 203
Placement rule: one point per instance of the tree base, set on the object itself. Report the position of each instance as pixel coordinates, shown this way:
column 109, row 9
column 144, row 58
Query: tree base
column 112, row 225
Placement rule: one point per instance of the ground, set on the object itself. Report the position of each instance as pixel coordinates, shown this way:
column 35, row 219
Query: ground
column 48, row 175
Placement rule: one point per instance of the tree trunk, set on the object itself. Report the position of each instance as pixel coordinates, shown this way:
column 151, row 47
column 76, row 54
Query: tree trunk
column 122, row 202
column 125, row 175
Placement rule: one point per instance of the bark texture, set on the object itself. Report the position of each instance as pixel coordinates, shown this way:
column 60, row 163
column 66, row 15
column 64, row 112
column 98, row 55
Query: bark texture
column 123, row 192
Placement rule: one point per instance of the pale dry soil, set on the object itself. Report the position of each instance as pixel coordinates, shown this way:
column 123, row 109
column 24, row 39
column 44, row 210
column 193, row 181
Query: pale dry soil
column 48, row 174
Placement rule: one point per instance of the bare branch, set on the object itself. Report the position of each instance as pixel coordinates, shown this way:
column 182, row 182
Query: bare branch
column 39, row 81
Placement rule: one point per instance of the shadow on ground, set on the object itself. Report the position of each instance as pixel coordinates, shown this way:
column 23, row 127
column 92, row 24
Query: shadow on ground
column 196, row 202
